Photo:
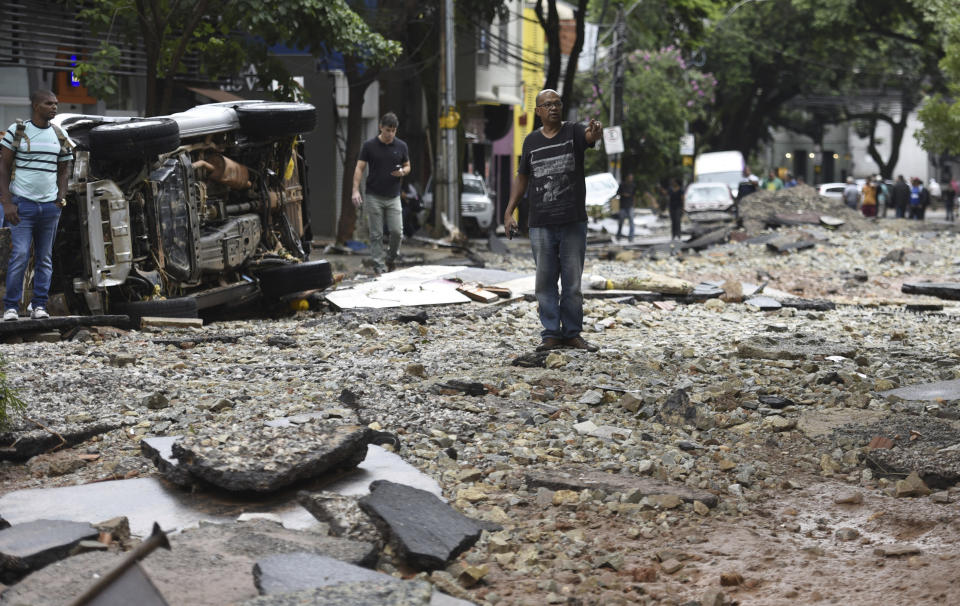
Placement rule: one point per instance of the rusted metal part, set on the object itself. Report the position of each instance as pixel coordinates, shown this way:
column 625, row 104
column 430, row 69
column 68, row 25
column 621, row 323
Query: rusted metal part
column 157, row 538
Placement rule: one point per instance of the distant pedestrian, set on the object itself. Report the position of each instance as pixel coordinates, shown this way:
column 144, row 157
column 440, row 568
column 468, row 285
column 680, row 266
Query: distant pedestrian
column 883, row 197
column 628, row 193
column 791, row 181
column 851, row 194
column 676, row 209
column 949, row 199
column 934, row 191
column 917, row 195
column 869, row 204
column 389, row 161
column 900, row 196
column 747, row 186
column 412, row 205
column 772, row 182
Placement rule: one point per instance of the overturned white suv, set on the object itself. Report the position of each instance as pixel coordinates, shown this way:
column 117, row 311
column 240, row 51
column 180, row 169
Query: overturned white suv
column 201, row 209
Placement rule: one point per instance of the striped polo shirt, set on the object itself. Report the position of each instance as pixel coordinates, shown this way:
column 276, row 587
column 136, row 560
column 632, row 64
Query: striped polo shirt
column 36, row 162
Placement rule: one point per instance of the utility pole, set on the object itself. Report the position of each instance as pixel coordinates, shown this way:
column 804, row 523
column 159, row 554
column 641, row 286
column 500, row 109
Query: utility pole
column 447, row 197
column 616, row 104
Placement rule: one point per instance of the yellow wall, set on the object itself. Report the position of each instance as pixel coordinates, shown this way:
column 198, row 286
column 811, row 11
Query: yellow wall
column 534, row 44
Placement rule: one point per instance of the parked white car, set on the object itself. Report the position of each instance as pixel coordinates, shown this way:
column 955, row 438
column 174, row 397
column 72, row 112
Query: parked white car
column 704, row 200
column 477, row 209
column 831, row 190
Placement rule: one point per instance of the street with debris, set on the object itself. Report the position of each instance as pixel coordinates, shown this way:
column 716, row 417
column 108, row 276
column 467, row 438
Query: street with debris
column 772, row 418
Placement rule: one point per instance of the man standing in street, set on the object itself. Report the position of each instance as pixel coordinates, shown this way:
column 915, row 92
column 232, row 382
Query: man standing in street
column 901, row 197
column 628, row 193
column 34, row 165
column 389, row 161
column 551, row 173
column 851, row 194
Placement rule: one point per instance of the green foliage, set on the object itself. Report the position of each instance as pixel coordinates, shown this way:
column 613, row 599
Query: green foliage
column 9, row 401
column 662, row 94
column 224, row 35
column 940, row 114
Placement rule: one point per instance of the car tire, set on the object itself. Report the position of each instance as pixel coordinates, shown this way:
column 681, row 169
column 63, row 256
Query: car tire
column 263, row 120
column 136, row 138
column 181, row 307
column 277, row 282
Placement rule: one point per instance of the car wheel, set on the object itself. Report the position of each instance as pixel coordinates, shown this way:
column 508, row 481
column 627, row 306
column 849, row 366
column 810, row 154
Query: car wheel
column 276, row 119
column 181, row 307
column 137, row 138
column 296, row 277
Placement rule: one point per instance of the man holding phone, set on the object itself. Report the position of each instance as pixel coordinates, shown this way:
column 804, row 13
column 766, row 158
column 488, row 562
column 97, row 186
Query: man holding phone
column 388, row 161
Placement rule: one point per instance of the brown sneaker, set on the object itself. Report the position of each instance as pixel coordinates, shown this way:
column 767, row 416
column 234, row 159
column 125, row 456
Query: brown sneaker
column 549, row 343
column 579, row 342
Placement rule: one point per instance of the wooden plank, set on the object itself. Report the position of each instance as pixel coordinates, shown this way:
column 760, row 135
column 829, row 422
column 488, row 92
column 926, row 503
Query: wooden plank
column 159, row 322
column 477, row 293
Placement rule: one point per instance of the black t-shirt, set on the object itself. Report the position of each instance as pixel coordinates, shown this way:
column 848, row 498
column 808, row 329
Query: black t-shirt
column 556, row 189
column 627, row 193
column 382, row 159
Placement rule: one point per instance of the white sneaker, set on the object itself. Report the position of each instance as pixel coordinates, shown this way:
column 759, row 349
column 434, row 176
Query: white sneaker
column 39, row 313
column 11, row 315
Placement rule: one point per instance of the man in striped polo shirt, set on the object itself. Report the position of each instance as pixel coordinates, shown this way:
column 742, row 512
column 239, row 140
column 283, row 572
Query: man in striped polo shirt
column 39, row 164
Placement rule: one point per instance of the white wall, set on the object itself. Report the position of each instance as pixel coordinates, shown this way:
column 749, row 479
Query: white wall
column 913, row 160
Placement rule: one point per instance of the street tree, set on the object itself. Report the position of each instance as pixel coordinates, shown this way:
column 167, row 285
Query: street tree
column 804, row 64
column 940, row 113
column 549, row 19
column 222, row 35
column 663, row 93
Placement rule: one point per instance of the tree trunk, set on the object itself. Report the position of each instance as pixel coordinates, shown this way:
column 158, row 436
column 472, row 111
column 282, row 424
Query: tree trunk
column 358, row 83
column 574, row 57
column 551, row 28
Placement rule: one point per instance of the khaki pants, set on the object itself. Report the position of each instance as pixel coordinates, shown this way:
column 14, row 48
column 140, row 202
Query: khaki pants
column 379, row 210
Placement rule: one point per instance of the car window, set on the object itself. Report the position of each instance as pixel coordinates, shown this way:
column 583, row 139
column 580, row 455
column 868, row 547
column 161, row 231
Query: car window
column 472, row 185
column 695, row 194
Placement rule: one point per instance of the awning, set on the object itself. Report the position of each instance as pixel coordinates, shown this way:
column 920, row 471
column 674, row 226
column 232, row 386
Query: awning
column 216, row 94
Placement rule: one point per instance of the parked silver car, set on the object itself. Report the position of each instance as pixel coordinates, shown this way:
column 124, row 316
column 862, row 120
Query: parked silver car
column 195, row 210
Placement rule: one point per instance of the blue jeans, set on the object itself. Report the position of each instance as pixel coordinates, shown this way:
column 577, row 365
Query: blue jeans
column 558, row 251
column 38, row 224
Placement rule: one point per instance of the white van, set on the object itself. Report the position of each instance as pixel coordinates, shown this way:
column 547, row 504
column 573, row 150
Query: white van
column 720, row 167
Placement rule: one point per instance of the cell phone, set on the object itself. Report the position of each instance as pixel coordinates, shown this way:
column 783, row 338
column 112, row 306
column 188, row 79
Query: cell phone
column 514, row 231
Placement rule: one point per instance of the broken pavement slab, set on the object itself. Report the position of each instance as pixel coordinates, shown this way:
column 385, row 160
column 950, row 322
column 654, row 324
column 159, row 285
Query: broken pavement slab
column 33, row 545
column 409, row 593
column 427, row 532
column 319, row 579
column 145, row 500
column 585, row 478
column 342, row 515
column 765, row 347
column 275, row 457
column 942, row 290
column 20, row 445
column 926, row 445
column 928, row 392
column 206, row 566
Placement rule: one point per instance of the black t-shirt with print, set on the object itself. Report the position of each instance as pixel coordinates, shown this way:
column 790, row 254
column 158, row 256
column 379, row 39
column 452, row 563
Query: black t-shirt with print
column 554, row 167
column 382, row 159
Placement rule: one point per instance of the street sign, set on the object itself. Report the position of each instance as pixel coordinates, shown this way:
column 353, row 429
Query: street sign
column 613, row 140
column 686, row 145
